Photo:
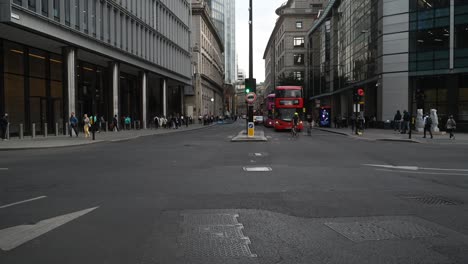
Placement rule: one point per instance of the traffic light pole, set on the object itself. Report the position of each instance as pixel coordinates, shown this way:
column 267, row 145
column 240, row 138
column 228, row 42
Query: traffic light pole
column 251, row 84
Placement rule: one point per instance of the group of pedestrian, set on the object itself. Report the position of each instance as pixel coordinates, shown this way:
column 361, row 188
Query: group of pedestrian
column 91, row 124
column 401, row 123
column 174, row 121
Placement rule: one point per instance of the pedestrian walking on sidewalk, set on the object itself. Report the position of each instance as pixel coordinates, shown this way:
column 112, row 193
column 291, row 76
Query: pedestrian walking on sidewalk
column 406, row 122
column 4, row 126
column 451, row 126
column 397, row 121
column 427, row 125
column 86, row 126
column 73, row 124
column 115, row 124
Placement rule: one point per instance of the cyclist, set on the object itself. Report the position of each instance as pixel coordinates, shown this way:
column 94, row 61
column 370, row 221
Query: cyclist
column 295, row 123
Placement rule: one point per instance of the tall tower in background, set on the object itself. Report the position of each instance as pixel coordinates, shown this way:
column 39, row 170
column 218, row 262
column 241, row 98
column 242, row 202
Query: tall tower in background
column 223, row 14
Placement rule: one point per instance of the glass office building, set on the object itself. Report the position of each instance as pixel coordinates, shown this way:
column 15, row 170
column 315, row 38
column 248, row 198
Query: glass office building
column 223, row 14
column 405, row 54
column 92, row 57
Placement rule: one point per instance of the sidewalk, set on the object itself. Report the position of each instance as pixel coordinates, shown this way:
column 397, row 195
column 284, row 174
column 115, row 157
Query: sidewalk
column 66, row 141
column 390, row 135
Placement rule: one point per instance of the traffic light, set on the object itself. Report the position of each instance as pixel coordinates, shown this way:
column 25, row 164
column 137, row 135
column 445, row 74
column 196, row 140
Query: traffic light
column 358, row 95
column 250, row 85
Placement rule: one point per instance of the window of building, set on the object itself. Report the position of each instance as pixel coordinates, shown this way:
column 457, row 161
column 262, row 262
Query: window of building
column 77, row 15
column 298, row 42
column 18, row 2
column 14, row 82
column 85, row 16
column 67, row 12
column 461, row 34
column 463, row 99
column 299, row 24
column 299, row 59
column 57, row 10
column 298, row 75
column 32, row 5
column 45, row 7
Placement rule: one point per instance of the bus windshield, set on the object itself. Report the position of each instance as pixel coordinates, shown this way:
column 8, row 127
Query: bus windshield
column 288, row 94
column 285, row 114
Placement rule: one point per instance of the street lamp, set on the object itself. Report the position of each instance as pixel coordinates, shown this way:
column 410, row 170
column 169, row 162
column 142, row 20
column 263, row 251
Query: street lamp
column 212, row 106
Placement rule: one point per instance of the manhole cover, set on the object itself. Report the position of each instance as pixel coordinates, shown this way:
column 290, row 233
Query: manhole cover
column 257, row 169
column 210, row 219
column 433, row 200
column 258, row 154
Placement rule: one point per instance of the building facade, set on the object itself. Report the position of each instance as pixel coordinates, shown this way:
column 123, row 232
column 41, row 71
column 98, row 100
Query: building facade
column 223, row 13
column 285, row 53
column 405, row 54
column 95, row 57
column 208, row 60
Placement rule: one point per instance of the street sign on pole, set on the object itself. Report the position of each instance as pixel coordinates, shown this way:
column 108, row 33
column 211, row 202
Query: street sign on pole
column 251, row 98
column 251, row 128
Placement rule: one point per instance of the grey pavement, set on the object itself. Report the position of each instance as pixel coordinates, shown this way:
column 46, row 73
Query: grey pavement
column 189, row 198
column 53, row 141
column 391, row 135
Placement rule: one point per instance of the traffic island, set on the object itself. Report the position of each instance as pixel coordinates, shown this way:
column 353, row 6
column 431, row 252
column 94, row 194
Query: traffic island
column 259, row 136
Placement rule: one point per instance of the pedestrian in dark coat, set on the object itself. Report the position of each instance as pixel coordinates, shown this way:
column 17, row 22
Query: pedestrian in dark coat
column 4, row 126
column 451, row 126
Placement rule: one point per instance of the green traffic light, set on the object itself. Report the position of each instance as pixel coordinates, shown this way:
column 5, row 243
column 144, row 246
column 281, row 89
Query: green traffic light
column 247, row 90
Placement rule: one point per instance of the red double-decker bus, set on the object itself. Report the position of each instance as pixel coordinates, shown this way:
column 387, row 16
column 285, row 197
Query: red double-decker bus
column 269, row 105
column 288, row 100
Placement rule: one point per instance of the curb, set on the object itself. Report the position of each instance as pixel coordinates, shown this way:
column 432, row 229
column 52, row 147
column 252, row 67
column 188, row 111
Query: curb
column 370, row 139
column 333, row 132
column 104, row 141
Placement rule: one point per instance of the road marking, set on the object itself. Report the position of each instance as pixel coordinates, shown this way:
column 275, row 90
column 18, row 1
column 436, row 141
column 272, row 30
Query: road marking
column 413, row 168
column 21, row 202
column 257, row 169
column 13, row 237
column 3, row 169
column 424, row 172
column 269, row 136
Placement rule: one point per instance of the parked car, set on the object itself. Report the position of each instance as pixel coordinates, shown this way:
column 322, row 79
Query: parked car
column 258, row 120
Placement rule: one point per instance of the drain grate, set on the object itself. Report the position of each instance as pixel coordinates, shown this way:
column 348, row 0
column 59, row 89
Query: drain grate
column 210, row 219
column 208, row 235
column 381, row 230
column 216, row 248
column 433, row 200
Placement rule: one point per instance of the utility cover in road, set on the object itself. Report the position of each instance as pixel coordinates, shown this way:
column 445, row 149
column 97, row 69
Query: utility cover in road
column 13, row 237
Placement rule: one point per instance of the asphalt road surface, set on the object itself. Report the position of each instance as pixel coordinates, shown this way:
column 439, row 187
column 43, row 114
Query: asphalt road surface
column 196, row 197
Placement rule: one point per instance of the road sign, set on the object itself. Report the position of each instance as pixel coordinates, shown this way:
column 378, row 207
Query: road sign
column 251, row 129
column 250, row 98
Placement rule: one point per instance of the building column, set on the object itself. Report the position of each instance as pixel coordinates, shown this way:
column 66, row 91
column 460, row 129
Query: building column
column 115, row 84
column 69, row 53
column 164, row 99
column 452, row 33
column 144, row 86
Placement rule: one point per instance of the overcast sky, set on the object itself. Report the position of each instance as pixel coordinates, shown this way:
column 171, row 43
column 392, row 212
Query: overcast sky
column 264, row 18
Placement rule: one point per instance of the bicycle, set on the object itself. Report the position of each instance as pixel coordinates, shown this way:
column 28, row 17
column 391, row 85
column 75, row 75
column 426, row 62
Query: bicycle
column 294, row 133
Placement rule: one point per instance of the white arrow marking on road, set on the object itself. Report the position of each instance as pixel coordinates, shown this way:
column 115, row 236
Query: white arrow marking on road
column 25, row 201
column 412, row 168
column 13, row 237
